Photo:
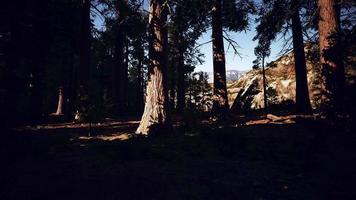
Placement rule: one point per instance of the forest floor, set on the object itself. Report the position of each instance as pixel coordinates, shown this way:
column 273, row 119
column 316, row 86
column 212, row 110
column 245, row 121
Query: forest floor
column 251, row 157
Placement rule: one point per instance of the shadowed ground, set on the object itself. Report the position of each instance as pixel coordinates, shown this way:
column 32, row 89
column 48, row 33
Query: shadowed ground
column 252, row 159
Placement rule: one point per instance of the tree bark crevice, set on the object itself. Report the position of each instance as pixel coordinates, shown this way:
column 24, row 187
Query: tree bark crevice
column 155, row 117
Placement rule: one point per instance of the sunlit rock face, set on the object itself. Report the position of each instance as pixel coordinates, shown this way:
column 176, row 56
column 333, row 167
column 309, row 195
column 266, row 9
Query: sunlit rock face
column 247, row 92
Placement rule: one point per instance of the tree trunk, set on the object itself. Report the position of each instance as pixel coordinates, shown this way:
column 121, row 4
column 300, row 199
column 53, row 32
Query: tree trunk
column 120, row 72
column 264, row 84
column 120, row 68
column 156, row 113
column 302, row 93
column 83, row 72
column 60, row 102
column 117, row 71
column 331, row 54
column 180, row 71
column 220, row 102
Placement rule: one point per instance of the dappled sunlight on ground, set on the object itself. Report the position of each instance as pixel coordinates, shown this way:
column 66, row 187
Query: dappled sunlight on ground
column 264, row 157
column 111, row 137
column 113, row 124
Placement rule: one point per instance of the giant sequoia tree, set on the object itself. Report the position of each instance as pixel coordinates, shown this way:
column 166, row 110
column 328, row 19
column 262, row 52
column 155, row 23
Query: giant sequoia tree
column 156, row 114
column 330, row 52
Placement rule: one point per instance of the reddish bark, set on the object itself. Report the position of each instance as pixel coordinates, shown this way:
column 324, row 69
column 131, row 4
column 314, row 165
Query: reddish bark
column 331, row 53
column 156, row 116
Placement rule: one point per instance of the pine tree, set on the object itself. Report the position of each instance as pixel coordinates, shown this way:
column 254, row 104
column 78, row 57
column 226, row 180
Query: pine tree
column 233, row 16
column 273, row 17
column 220, row 105
column 302, row 93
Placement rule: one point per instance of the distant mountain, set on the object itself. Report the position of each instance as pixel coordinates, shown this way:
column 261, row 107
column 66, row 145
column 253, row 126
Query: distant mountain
column 231, row 76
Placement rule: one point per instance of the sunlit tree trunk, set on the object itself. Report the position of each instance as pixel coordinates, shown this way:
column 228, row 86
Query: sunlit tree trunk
column 331, row 53
column 220, row 102
column 302, row 93
column 60, row 102
column 156, row 114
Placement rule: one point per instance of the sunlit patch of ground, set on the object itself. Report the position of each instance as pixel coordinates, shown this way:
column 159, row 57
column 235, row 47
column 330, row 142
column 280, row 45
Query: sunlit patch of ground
column 264, row 157
column 112, row 124
column 274, row 119
column 111, row 137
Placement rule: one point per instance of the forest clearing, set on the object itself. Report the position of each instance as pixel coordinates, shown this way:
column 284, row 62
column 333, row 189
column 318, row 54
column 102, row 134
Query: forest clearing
column 178, row 99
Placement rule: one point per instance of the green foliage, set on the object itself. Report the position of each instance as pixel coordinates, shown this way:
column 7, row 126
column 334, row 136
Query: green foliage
column 199, row 92
column 235, row 14
column 271, row 96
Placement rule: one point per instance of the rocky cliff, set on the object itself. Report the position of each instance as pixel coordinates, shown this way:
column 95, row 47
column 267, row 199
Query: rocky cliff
column 247, row 92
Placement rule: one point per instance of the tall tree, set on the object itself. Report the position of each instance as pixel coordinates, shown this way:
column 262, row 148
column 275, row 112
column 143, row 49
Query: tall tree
column 302, row 100
column 220, row 105
column 331, row 53
column 120, row 75
column 273, row 17
column 139, row 42
column 156, row 112
column 188, row 21
column 181, row 73
column 262, row 51
column 234, row 16
column 85, row 43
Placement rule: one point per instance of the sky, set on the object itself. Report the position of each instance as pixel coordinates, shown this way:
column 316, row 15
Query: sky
column 242, row 62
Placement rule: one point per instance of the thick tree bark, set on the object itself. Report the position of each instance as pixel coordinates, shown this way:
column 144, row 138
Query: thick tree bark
column 302, row 93
column 180, row 71
column 156, row 113
column 331, row 54
column 220, row 102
